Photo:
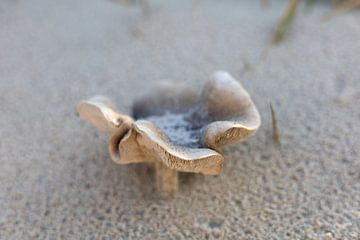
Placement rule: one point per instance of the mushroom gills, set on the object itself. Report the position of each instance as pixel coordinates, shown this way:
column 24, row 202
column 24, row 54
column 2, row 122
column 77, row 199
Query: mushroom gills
column 178, row 127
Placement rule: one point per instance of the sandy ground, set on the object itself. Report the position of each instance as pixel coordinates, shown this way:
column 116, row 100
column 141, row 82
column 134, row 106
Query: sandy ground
column 57, row 180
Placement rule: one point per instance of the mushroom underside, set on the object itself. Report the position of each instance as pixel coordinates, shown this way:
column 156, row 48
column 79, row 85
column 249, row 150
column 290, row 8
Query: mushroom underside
column 178, row 127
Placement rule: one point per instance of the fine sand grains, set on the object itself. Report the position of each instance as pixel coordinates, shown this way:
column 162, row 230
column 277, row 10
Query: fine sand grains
column 57, row 180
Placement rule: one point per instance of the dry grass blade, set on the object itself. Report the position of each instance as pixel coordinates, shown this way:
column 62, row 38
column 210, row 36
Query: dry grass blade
column 341, row 7
column 286, row 22
column 282, row 28
column 275, row 131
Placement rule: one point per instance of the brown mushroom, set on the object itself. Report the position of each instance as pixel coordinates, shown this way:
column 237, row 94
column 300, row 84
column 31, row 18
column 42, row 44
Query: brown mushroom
column 176, row 128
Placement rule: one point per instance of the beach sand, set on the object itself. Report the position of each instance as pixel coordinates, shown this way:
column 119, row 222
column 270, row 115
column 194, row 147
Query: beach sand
column 57, row 180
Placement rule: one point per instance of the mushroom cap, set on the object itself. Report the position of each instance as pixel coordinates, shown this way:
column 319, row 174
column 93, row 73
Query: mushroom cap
column 222, row 114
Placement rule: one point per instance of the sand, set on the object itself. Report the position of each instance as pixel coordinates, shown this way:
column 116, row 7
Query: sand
column 57, row 180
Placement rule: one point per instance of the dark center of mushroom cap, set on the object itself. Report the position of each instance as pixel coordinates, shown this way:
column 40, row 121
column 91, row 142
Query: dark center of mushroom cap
column 178, row 127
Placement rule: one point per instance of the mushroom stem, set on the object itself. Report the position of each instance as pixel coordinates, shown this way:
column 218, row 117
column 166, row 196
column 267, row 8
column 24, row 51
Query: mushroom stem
column 166, row 179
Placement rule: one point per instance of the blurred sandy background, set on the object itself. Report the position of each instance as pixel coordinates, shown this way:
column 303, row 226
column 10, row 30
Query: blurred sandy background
column 57, row 180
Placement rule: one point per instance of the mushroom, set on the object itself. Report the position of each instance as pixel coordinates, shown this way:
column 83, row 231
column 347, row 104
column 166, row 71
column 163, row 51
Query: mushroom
column 176, row 128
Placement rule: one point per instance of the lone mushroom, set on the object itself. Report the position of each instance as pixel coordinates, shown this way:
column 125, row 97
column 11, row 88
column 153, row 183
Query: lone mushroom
column 177, row 129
